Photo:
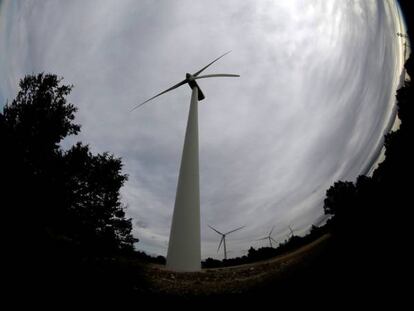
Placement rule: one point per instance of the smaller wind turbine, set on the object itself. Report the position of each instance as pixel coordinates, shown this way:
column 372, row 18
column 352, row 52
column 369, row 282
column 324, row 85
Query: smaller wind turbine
column 269, row 237
column 292, row 232
column 223, row 238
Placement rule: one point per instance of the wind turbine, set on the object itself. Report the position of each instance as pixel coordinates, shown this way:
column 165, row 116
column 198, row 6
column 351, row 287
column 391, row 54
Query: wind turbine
column 292, row 232
column 269, row 237
column 223, row 238
column 184, row 248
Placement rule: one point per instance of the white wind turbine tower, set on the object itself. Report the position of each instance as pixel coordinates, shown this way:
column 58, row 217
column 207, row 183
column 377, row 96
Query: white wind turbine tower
column 268, row 237
column 223, row 239
column 184, row 248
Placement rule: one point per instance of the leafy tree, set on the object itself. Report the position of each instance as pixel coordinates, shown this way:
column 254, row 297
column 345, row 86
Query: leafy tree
column 370, row 222
column 56, row 199
column 339, row 197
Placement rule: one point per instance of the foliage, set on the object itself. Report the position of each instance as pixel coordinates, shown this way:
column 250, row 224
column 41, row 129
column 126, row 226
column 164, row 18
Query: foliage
column 63, row 200
column 369, row 217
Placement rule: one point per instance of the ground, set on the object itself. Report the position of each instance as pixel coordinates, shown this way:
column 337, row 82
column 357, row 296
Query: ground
column 232, row 280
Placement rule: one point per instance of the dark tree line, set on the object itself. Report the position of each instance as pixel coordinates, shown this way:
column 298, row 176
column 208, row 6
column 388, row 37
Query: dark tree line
column 60, row 207
column 372, row 214
column 370, row 219
column 368, row 256
column 374, row 209
column 60, row 198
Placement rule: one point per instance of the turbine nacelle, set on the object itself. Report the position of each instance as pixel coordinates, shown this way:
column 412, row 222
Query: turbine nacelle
column 190, row 80
column 192, row 83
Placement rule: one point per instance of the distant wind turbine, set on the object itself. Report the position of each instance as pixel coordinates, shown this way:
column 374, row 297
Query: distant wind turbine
column 292, row 232
column 269, row 237
column 184, row 248
column 223, row 238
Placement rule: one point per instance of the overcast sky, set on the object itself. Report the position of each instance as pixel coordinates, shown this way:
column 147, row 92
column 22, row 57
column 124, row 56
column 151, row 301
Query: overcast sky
column 316, row 94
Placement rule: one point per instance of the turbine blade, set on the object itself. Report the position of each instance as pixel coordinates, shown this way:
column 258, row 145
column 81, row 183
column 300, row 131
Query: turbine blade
column 159, row 94
column 273, row 239
column 271, row 231
column 204, row 68
column 262, row 239
column 235, row 229
column 215, row 230
column 217, row 75
column 221, row 241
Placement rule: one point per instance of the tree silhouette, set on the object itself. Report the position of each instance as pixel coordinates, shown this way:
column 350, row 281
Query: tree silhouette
column 369, row 217
column 57, row 200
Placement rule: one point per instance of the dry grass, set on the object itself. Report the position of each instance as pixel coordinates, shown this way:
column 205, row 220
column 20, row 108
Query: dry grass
column 232, row 280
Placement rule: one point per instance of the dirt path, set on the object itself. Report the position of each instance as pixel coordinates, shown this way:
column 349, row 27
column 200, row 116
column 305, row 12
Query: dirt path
column 231, row 280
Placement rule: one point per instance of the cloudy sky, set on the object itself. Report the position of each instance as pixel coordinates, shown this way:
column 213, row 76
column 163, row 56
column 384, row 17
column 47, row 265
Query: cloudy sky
column 316, row 94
